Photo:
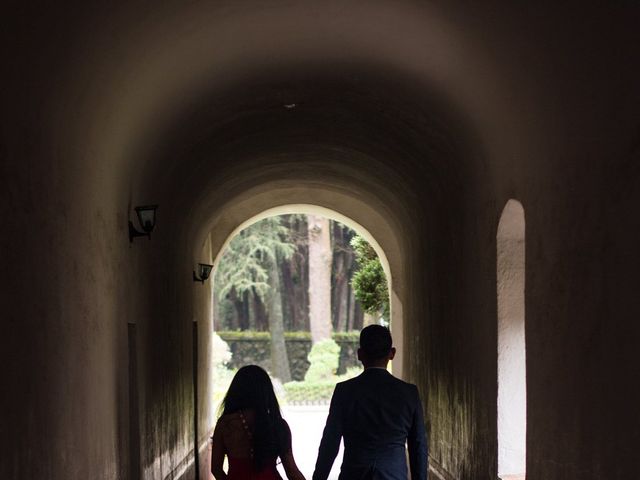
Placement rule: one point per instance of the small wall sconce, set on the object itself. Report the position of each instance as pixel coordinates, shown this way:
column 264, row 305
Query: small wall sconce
column 146, row 218
column 204, row 270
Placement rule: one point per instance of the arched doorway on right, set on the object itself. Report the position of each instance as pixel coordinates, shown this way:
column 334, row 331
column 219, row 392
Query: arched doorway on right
column 512, row 383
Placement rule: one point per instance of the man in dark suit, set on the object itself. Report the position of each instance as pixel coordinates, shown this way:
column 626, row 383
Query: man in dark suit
column 377, row 415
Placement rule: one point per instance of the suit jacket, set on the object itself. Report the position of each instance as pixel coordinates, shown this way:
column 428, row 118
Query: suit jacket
column 377, row 414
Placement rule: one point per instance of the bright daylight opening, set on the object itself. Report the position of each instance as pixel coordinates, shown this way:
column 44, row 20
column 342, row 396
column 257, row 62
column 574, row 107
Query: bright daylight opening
column 291, row 292
column 512, row 384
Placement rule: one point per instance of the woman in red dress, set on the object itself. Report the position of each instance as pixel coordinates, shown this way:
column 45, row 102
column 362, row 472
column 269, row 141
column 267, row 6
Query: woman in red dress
column 251, row 431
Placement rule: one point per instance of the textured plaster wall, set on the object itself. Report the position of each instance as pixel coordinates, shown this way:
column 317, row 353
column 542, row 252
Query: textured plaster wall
column 418, row 121
column 65, row 304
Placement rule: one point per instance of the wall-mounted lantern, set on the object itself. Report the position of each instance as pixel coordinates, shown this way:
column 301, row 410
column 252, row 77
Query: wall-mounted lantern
column 204, row 270
column 146, row 219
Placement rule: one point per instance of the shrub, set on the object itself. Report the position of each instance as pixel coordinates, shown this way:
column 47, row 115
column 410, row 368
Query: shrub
column 221, row 351
column 221, row 375
column 350, row 373
column 369, row 281
column 324, row 358
column 309, row 392
column 313, row 392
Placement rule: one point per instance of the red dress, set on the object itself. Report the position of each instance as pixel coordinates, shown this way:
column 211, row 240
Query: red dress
column 242, row 469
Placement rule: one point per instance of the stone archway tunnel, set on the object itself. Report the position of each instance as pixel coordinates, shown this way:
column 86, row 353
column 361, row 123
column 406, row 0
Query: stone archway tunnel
column 417, row 121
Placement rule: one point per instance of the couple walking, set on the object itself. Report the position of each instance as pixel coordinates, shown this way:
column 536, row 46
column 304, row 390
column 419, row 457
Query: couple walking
column 375, row 413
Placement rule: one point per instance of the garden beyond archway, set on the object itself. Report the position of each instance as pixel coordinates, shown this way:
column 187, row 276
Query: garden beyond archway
column 291, row 288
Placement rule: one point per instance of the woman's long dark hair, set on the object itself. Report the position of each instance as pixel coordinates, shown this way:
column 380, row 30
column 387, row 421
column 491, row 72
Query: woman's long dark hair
column 251, row 389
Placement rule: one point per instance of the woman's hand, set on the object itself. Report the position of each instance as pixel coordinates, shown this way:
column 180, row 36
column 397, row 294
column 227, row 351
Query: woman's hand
column 290, row 467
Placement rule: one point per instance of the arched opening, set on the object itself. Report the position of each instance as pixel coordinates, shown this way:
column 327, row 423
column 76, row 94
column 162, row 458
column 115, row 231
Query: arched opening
column 288, row 281
column 307, row 211
column 246, row 338
column 359, row 216
column 512, row 394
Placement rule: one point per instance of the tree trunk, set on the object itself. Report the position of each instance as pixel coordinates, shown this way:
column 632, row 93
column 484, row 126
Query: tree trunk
column 337, row 277
column 288, row 295
column 340, row 311
column 351, row 319
column 319, row 278
column 359, row 316
column 279, row 359
column 344, row 305
column 300, row 264
column 260, row 313
column 238, row 308
column 246, row 311
column 343, row 260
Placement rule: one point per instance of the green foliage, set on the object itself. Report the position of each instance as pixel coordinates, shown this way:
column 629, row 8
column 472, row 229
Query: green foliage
column 245, row 264
column 221, row 375
column 230, row 335
column 309, row 392
column 345, row 337
column 369, row 282
column 221, row 354
column 350, row 373
column 324, row 358
column 245, row 287
column 318, row 391
column 247, row 335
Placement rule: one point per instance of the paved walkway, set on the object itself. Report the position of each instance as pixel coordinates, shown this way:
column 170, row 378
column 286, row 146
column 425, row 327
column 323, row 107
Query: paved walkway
column 306, row 425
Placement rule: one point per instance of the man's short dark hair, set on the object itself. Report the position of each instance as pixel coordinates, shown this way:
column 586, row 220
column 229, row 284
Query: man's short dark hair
column 375, row 341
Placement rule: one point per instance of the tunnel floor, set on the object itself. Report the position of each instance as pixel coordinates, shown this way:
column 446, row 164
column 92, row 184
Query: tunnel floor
column 307, row 424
